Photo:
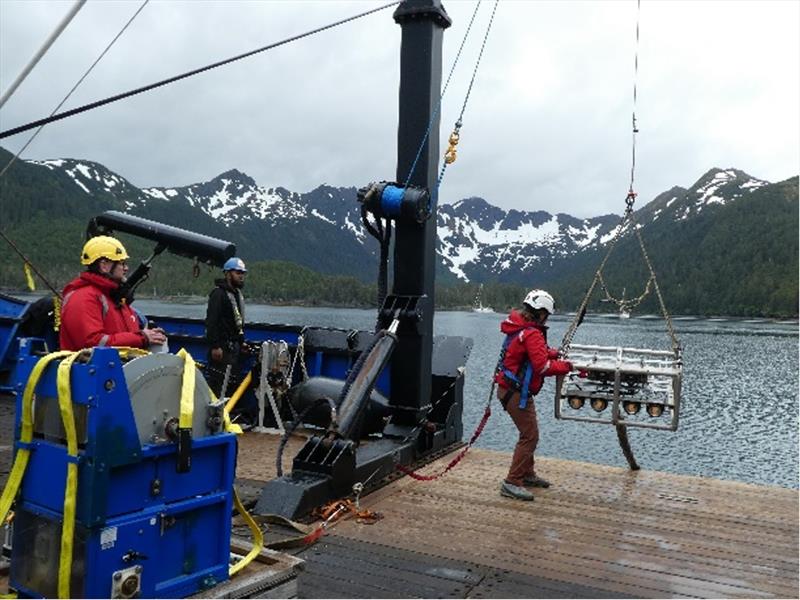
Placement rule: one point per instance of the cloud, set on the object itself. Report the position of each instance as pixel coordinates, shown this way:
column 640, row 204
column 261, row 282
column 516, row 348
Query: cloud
column 547, row 126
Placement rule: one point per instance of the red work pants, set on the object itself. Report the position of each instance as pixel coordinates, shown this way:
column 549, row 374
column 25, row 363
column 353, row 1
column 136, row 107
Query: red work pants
column 528, row 427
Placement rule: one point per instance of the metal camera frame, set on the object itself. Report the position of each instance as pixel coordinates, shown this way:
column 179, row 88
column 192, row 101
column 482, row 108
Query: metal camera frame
column 619, row 375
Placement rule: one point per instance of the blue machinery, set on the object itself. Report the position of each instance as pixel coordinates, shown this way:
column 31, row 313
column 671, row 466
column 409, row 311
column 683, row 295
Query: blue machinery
column 144, row 524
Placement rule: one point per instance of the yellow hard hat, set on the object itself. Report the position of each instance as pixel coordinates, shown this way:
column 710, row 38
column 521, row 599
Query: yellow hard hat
column 103, row 246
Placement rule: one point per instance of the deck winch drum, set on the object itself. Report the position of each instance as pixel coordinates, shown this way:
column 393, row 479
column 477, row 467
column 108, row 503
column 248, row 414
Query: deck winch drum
column 393, row 201
column 142, row 529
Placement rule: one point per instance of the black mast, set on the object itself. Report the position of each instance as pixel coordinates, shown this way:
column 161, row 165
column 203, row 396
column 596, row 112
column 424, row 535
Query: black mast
column 423, row 23
column 329, row 464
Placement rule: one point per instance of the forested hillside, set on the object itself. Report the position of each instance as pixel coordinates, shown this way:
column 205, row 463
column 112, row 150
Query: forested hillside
column 735, row 254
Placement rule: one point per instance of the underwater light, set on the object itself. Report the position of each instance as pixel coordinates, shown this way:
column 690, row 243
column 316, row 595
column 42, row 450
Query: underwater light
column 575, row 402
column 631, row 407
column 599, row 404
column 655, row 410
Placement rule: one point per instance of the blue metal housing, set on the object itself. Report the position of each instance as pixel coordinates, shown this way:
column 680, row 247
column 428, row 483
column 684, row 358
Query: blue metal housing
column 329, row 352
column 133, row 508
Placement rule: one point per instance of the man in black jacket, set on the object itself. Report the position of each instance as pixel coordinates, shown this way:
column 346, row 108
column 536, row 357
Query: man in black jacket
column 225, row 328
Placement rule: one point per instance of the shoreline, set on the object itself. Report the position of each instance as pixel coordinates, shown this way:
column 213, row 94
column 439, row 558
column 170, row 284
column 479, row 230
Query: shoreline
column 197, row 299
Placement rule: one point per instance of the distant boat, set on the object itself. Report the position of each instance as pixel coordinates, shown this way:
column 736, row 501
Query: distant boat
column 478, row 306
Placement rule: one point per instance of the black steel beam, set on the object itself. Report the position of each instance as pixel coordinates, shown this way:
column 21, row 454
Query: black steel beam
column 423, row 23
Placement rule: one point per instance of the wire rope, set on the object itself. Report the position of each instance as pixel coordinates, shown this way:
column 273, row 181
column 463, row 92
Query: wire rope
column 635, row 79
column 35, row 133
column 459, row 122
column 628, row 221
column 441, row 96
column 147, row 88
column 41, row 52
column 75, row 87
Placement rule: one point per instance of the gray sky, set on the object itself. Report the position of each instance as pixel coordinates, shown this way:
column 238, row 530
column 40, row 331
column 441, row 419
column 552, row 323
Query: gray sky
column 547, row 127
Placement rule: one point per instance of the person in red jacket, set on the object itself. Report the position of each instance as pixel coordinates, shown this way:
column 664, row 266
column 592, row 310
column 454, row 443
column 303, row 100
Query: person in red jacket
column 525, row 361
column 91, row 314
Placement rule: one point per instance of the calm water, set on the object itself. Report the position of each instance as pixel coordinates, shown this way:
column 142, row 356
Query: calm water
column 739, row 413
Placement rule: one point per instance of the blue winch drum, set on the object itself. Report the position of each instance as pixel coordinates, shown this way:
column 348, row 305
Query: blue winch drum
column 392, row 200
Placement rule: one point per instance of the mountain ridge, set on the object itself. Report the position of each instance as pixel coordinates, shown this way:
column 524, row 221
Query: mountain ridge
column 477, row 241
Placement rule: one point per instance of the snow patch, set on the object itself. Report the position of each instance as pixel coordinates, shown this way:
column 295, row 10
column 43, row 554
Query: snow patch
column 155, row 193
column 319, row 215
column 85, row 171
column 80, row 183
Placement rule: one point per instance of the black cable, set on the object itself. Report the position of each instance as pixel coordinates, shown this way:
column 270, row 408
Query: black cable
column 384, row 236
column 86, row 107
column 75, row 87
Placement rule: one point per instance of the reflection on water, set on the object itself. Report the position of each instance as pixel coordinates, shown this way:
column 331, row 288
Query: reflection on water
column 739, row 413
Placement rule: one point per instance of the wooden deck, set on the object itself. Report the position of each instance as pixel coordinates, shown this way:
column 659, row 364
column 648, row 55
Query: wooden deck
column 599, row 531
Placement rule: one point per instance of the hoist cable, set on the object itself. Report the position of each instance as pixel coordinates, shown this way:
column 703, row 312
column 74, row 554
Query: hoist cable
column 45, row 47
column 459, row 122
column 676, row 347
column 74, row 87
column 441, row 97
column 109, row 100
column 635, row 129
column 628, row 221
column 581, row 312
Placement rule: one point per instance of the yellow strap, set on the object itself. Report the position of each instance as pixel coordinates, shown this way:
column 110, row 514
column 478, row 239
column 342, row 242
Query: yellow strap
column 29, row 277
column 71, row 491
column 126, row 352
column 258, row 536
column 239, row 392
column 187, row 390
column 26, row 434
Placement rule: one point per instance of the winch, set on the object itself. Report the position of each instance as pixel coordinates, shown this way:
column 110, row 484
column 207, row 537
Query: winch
column 129, row 449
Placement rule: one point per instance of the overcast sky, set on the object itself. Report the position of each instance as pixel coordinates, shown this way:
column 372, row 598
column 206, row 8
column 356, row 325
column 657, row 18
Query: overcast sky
column 547, row 127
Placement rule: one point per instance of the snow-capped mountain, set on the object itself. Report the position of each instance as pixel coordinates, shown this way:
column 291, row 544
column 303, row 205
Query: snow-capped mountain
column 716, row 187
column 322, row 229
column 478, row 240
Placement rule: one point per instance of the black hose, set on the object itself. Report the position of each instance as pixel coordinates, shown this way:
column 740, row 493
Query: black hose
column 384, row 236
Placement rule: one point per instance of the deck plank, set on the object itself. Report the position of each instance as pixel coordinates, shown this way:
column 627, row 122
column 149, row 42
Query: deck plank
column 599, row 532
column 646, row 534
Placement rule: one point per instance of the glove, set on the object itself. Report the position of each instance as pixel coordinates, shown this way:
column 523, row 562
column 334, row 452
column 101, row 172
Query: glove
column 583, row 373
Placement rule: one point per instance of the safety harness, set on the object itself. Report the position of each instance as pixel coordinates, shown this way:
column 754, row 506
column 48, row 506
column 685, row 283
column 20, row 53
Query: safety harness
column 513, row 378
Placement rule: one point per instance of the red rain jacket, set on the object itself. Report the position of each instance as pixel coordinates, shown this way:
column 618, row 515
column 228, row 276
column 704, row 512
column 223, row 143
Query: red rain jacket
column 89, row 316
column 529, row 344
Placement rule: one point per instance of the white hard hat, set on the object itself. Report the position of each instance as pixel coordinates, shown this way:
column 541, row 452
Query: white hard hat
column 540, row 299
